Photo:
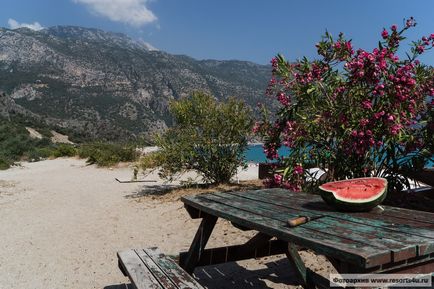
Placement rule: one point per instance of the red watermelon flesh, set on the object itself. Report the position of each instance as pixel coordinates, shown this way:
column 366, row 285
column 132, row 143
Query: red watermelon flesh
column 355, row 194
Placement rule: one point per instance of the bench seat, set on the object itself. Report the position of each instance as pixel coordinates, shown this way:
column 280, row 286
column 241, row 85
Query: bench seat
column 151, row 269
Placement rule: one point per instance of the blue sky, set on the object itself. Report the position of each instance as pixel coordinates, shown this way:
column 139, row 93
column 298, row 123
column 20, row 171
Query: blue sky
column 253, row 30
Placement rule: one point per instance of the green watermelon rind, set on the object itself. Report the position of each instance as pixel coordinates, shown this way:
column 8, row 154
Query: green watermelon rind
column 353, row 206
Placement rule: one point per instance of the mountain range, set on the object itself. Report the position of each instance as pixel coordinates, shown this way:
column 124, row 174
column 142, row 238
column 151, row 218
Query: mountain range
column 95, row 84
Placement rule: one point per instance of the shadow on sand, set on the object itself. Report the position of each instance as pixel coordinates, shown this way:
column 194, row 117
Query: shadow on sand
column 152, row 190
column 167, row 189
column 232, row 275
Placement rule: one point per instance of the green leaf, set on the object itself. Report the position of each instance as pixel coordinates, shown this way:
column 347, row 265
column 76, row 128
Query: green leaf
column 310, row 90
column 285, row 172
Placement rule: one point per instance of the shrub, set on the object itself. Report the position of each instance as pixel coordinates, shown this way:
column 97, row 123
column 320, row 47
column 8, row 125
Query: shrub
column 42, row 153
column 208, row 137
column 352, row 113
column 4, row 163
column 15, row 143
column 150, row 161
column 107, row 154
column 64, row 150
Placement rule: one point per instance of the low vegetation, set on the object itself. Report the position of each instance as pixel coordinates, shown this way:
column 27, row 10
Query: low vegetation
column 17, row 145
column 107, row 154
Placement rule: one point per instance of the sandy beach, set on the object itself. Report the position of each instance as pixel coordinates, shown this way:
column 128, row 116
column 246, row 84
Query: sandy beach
column 62, row 223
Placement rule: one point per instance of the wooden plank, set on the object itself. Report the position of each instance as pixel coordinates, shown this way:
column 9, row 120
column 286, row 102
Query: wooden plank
column 177, row 275
column 155, row 270
column 314, row 204
column 391, row 219
column 330, row 245
column 364, row 234
column 138, row 273
column 199, row 242
column 416, row 267
column 406, row 214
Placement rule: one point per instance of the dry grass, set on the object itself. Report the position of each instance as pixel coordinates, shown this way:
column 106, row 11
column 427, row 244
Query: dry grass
column 169, row 194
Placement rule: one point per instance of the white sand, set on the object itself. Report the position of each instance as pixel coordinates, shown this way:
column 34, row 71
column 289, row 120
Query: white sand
column 62, row 222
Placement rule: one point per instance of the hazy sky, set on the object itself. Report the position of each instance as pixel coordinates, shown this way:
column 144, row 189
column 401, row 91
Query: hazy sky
column 252, row 30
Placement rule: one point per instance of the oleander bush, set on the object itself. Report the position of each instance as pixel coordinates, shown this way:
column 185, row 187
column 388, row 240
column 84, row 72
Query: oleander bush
column 351, row 112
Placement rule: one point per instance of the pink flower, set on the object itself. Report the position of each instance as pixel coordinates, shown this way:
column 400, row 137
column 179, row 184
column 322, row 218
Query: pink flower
column 283, row 99
column 298, row 170
column 410, row 22
column 420, row 49
column 377, row 115
column 394, row 130
column 354, row 133
column 292, row 186
column 367, row 104
column 271, row 152
column 384, row 34
column 278, row 179
column 364, row 122
column 411, row 82
column 256, row 127
column 349, row 47
column 274, row 62
column 393, row 27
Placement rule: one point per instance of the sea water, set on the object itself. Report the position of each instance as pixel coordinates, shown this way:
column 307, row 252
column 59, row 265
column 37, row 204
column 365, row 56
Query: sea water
column 255, row 154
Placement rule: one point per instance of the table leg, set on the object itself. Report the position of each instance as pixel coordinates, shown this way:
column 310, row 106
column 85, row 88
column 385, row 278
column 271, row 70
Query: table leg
column 199, row 243
column 300, row 269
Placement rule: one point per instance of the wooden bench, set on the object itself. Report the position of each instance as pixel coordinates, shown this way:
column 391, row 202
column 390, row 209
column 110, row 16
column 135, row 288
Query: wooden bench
column 151, row 269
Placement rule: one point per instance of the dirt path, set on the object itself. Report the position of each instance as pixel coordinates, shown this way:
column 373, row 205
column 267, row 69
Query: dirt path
column 61, row 223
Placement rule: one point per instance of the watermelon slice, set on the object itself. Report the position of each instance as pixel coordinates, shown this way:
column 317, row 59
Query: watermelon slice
column 355, row 195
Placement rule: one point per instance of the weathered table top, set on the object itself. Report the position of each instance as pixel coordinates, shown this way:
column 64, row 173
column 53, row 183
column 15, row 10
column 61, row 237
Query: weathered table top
column 366, row 240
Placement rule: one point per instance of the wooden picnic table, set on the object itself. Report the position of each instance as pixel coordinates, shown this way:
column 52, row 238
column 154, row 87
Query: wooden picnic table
column 394, row 240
